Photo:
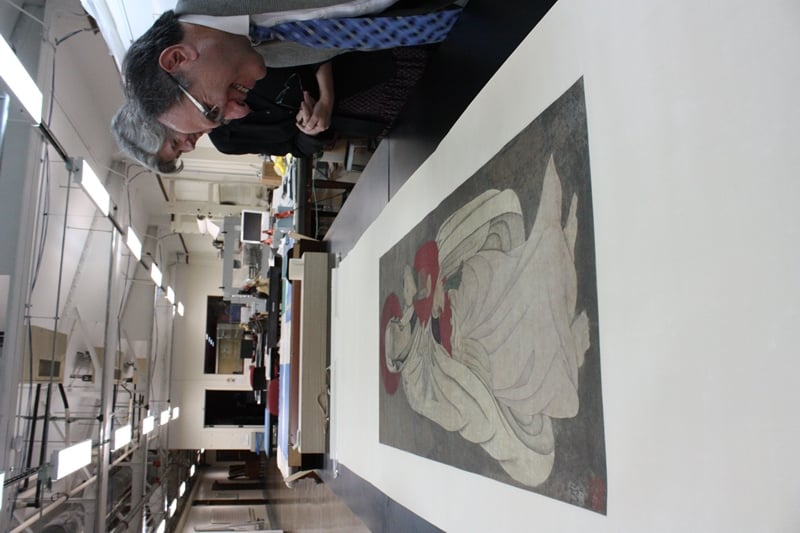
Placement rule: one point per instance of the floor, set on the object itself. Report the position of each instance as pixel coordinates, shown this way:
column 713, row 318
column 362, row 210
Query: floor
column 457, row 71
column 344, row 503
column 310, row 505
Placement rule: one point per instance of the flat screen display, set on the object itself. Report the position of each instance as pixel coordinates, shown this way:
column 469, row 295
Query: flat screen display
column 232, row 408
column 251, row 226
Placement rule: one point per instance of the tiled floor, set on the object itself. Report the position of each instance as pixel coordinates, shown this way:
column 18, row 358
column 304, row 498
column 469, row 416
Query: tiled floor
column 308, row 506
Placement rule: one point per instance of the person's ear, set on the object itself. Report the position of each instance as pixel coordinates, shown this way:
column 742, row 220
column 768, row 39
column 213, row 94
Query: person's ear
column 174, row 57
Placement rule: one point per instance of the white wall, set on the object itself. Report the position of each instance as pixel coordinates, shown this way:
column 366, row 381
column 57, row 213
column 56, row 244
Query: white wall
column 693, row 139
column 197, row 281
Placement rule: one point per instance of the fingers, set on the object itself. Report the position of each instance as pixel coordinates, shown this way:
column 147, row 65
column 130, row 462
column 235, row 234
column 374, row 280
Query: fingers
column 312, row 118
column 322, row 117
column 309, row 126
column 304, row 114
column 306, row 109
column 312, row 128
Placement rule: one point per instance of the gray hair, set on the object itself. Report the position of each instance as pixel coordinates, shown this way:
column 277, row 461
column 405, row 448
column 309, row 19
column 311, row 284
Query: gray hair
column 146, row 83
column 140, row 137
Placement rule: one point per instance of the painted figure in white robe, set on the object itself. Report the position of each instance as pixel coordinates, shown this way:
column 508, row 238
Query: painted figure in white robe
column 486, row 340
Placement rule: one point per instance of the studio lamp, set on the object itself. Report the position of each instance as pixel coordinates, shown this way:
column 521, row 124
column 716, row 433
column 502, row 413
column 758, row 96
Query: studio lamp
column 18, row 82
column 134, row 244
column 93, row 186
column 70, row 459
column 148, row 424
column 155, row 274
column 122, row 436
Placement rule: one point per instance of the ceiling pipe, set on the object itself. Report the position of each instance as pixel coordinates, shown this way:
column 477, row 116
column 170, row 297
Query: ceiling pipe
column 107, row 397
column 61, row 500
column 69, row 520
column 57, row 503
column 34, row 418
column 71, row 171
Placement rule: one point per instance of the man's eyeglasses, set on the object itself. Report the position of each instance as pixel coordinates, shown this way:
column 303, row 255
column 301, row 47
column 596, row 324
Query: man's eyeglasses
column 214, row 114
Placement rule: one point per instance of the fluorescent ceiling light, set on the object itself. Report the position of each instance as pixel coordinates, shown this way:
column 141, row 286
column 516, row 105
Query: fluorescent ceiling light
column 176, row 412
column 95, row 189
column 148, row 424
column 180, row 308
column 207, row 227
column 70, row 459
column 134, row 244
column 122, row 436
column 173, row 507
column 181, row 489
column 213, row 229
column 3, row 481
column 161, row 527
column 164, row 417
column 191, row 471
column 155, row 274
column 17, row 79
column 170, row 295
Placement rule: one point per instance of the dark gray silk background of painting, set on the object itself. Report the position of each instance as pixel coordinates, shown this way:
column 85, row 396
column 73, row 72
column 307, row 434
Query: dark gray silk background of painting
column 579, row 473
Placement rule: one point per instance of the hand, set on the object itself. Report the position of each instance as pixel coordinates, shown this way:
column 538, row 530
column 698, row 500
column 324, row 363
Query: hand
column 314, row 116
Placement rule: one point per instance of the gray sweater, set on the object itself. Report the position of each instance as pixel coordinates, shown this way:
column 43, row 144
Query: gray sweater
column 276, row 54
column 281, row 53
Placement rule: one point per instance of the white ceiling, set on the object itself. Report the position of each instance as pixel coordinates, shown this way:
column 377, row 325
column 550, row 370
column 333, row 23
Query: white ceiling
column 122, row 21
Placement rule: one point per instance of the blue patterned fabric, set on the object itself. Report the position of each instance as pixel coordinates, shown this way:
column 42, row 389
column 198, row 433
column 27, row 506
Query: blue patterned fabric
column 362, row 33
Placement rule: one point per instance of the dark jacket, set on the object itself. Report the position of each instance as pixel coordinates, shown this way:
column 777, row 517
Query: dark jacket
column 275, row 101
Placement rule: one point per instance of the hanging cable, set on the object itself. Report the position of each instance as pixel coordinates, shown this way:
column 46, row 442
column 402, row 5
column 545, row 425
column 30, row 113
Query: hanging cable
column 72, row 34
column 127, row 19
column 45, row 211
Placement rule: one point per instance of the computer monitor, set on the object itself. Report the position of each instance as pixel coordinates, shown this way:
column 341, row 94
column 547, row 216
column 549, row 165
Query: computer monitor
column 251, row 226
